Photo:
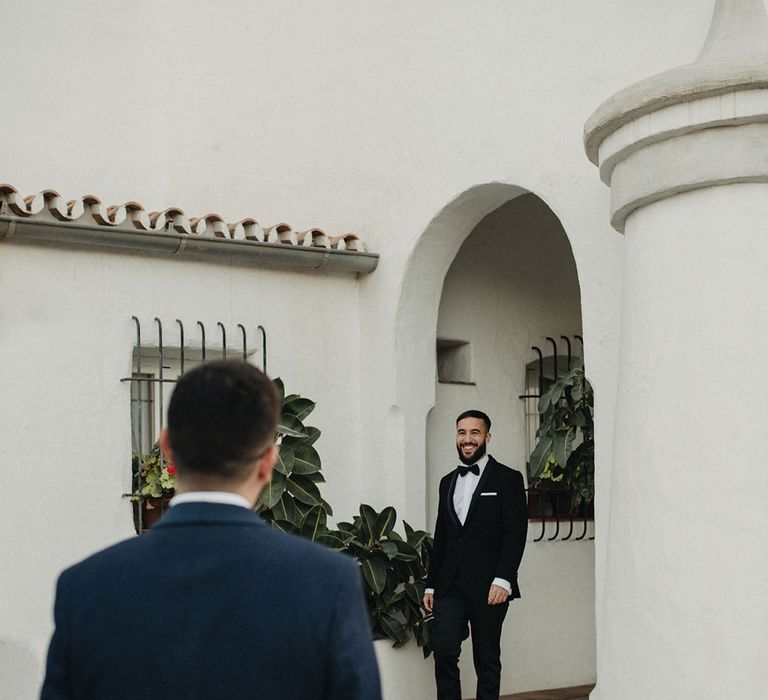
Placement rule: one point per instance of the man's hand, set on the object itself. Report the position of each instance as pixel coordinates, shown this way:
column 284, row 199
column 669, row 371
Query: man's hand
column 496, row 595
column 427, row 601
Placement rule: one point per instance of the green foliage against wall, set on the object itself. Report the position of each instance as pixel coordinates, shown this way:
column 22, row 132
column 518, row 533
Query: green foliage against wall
column 564, row 456
column 393, row 566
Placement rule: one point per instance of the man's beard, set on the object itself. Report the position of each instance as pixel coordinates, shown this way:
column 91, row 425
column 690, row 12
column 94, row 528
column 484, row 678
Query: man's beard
column 474, row 457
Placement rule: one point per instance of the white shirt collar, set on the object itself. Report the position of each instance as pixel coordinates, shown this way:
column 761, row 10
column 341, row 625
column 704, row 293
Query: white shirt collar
column 225, row 497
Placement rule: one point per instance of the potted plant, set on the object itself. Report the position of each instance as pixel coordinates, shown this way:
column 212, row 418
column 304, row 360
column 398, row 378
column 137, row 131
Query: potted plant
column 563, row 460
column 157, row 477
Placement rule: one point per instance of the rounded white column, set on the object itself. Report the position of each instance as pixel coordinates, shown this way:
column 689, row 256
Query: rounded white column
column 686, row 157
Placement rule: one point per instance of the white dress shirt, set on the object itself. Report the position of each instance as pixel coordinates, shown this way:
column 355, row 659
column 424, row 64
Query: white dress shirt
column 465, row 487
column 462, row 497
column 225, row 497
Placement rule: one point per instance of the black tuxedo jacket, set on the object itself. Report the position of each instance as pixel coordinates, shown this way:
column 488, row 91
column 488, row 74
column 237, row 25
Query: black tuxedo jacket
column 490, row 544
column 213, row 604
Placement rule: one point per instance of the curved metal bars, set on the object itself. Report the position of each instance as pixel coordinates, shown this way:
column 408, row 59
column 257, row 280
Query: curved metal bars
column 160, row 384
column 245, row 342
column 568, row 345
column 223, row 339
column 538, row 351
column 202, row 342
column 181, row 345
column 554, row 355
column 263, row 347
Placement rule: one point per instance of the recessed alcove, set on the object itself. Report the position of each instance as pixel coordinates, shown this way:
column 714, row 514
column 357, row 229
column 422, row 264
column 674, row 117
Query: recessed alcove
column 454, row 361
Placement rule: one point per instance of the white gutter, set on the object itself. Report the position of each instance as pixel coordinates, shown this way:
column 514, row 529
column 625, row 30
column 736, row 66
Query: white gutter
column 38, row 231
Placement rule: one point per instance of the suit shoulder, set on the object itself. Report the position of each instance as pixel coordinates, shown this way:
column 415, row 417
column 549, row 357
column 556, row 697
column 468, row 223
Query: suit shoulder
column 509, row 472
column 306, row 553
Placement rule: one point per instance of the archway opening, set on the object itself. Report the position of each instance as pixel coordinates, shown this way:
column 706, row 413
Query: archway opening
column 492, row 276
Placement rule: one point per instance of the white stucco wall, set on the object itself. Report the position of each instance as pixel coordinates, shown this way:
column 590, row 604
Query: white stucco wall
column 687, row 427
column 67, row 338
column 374, row 117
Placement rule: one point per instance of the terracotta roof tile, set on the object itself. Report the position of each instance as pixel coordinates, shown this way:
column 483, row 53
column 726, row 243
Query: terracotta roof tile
column 90, row 210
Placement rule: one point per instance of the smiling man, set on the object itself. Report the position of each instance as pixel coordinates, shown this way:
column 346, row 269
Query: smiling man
column 480, row 535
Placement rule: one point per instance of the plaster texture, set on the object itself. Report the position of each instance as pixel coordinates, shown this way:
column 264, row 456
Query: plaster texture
column 405, row 122
column 686, row 559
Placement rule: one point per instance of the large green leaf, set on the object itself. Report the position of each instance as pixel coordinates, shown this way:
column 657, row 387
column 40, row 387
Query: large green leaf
column 406, row 552
column 384, row 523
column 561, row 445
column 285, row 509
column 302, row 489
column 394, row 629
column 285, row 526
column 539, row 456
column 389, row 548
column 285, row 460
column 326, row 505
column 299, row 407
column 413, row 593
column 331, row 540
column 313, row 524
column 307, row 461
column 273, row 490
column 367, row 522
column 280, row 388
column 312, row 434
column 291, row 426
column 375, row 573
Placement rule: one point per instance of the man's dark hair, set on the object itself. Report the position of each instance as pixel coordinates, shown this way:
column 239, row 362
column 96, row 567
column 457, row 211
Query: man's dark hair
column 473, row 413
column 221, row 417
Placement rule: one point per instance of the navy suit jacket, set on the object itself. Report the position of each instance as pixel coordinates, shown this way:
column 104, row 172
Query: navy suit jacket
column 490, row 544
column 212, row 603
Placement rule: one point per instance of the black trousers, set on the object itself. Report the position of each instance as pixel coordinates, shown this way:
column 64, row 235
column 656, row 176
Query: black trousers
column 454, row 613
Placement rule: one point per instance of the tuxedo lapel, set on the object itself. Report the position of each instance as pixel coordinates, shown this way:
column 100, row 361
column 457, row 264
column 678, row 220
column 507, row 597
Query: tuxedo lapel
column 449, row 505
column 479, row 488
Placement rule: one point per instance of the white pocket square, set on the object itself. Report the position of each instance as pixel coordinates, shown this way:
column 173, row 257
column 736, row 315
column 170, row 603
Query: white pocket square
column 489, row 493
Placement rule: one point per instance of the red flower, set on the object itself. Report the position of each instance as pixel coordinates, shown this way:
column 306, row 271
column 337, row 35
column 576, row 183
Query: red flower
column 171, row 470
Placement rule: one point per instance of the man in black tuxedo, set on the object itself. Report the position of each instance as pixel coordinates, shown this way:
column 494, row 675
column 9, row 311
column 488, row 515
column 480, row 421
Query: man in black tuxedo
column 213, row 603
column 482, row 523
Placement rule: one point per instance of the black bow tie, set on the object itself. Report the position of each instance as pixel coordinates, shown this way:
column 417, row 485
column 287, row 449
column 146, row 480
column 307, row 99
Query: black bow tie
column 463, row 471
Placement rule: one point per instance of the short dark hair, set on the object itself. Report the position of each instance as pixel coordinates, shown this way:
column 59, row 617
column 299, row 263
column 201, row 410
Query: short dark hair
column 221, row 416
column 474, row 413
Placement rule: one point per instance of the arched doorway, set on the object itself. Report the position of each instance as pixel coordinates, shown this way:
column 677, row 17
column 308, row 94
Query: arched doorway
column 492, row 275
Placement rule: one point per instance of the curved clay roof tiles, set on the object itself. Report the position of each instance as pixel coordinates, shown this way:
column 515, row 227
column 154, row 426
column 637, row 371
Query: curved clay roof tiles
column 90, row 210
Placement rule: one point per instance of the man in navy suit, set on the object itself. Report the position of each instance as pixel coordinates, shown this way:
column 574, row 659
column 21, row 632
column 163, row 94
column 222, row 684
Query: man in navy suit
column 212, row 603
column 482, row 523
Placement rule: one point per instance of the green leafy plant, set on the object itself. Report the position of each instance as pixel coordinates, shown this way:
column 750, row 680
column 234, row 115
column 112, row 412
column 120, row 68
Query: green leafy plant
column 158, row 475
column 393, row 566
column 564, row 455
column 394, row 570
column 292, row 500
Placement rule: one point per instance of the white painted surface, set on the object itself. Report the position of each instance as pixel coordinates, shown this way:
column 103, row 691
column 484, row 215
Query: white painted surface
column 404, row 122
column 405, row 673
column 687, row 555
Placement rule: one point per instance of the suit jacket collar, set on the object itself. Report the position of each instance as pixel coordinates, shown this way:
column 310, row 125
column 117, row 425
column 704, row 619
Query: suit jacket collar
column 212, row 513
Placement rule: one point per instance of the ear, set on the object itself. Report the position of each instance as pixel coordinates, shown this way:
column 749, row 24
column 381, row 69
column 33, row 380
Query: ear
column 266, row 464
column 487, row 438
column 165, row 445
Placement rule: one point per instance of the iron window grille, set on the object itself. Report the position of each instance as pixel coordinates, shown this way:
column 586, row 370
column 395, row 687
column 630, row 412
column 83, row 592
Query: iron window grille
column 157, row 365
